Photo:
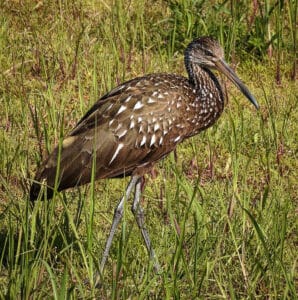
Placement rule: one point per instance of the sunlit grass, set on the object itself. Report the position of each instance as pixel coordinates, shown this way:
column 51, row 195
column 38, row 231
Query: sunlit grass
column 222, row 212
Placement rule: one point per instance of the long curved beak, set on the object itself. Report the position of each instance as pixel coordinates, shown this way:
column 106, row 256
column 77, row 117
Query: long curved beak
column 223, row 67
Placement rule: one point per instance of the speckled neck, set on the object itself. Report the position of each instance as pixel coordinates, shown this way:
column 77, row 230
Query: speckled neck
column 209, row 100
column 189, row 65
column 199, row 76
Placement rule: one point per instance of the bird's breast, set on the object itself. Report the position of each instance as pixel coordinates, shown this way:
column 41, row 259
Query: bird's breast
column 204, row 109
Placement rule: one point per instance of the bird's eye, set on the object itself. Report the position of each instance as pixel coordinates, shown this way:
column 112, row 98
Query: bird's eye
column 208, row 52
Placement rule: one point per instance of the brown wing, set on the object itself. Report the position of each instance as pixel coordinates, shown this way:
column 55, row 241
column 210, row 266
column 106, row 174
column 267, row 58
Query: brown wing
column 135, row 124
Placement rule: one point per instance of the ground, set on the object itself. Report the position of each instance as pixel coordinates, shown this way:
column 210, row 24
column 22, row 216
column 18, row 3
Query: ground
column 221, row 210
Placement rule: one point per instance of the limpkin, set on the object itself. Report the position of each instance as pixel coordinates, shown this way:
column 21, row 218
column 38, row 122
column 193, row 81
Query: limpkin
column 136, row 124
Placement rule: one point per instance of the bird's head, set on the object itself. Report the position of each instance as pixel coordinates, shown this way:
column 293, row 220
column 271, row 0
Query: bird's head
column 207, row 53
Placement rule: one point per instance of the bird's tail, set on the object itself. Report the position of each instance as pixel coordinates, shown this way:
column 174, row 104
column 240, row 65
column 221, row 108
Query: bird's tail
column 45, row 178
column 66, row 167
column 36, row 188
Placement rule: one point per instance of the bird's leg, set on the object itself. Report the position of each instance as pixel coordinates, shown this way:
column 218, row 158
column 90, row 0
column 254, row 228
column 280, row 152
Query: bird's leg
column 139, row 216
column 116, row 219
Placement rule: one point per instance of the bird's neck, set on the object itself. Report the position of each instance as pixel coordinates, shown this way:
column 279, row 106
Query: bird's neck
column 209, row 97
column 203, row 79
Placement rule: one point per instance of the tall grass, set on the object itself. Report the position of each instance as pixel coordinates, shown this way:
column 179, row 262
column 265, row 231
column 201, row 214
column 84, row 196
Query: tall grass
column 221, row 212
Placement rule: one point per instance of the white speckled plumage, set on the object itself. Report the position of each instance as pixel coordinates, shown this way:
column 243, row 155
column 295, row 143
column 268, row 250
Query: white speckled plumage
column 137, row 124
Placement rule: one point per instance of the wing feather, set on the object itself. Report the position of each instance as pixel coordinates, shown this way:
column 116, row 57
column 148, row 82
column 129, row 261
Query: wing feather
column 132, row 125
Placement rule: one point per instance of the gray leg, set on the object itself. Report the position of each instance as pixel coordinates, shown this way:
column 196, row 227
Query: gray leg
column 118, row 213
column 139, row 216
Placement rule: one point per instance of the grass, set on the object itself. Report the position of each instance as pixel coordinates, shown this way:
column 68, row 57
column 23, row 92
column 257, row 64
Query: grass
column 222, row 212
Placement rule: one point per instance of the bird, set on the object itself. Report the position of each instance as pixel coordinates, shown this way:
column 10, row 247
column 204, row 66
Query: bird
column 137, row 124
